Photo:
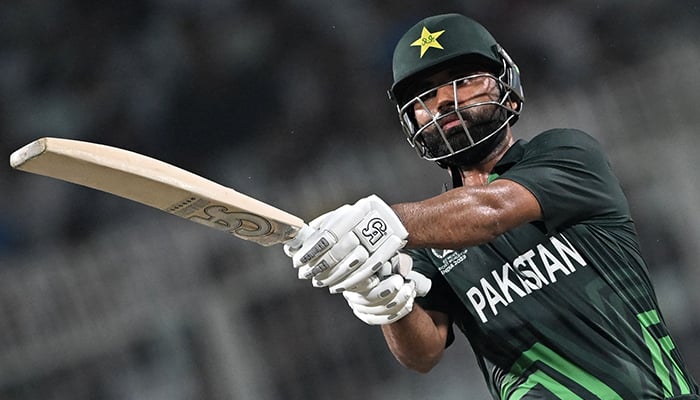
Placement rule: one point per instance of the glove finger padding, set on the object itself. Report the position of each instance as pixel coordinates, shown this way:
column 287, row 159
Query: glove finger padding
column 293, row 246
column 331, row 258
column 357, row 257
column 331, row 227
column 390, row 305
column 379, row 294
column 390, row 300
column 423, row 283
column 373, row 264
column 383, row 319
column 368, row 284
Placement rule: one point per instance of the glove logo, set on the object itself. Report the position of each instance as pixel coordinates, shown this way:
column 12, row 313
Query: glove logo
column 374, row 230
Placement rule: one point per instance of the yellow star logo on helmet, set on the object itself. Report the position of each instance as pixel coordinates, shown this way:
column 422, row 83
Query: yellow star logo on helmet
column 427, row 40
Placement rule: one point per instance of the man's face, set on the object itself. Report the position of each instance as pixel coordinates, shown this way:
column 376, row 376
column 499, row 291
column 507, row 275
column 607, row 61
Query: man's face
column 458, row 114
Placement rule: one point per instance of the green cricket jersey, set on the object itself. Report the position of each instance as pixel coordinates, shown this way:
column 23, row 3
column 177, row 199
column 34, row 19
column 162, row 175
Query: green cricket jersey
column 561, row 308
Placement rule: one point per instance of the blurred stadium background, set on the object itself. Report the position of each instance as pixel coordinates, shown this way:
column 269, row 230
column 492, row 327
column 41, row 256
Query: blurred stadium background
column 285, row 100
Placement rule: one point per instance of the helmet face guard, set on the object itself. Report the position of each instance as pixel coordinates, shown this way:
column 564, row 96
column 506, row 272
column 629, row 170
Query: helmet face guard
column 468, row 125
column 452, row 43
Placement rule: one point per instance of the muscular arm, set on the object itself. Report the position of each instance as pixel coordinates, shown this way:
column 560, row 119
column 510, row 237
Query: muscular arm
column 418, row 340
column 469, row 215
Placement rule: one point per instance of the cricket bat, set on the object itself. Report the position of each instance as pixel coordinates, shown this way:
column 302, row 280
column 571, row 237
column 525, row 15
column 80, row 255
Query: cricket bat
column 174, row 190
column 159, row 185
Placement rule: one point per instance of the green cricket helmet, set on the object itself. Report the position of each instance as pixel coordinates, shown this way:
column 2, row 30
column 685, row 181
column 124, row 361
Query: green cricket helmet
column 463, row 50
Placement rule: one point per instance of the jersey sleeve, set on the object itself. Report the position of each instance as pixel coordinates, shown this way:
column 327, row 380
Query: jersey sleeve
column 571, row 177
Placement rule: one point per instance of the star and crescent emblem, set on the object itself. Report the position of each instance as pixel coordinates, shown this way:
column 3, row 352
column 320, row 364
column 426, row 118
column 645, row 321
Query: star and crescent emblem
column 427, row 40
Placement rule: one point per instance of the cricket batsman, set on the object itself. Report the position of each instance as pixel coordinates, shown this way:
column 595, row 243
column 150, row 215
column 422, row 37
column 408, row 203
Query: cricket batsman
column 532, row 255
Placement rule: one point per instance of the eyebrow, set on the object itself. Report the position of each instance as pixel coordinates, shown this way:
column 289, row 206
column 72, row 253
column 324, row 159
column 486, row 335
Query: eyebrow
column 444, row 77
column 448, row 76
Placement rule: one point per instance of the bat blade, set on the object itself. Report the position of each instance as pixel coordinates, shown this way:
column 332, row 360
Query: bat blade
column 159, row 185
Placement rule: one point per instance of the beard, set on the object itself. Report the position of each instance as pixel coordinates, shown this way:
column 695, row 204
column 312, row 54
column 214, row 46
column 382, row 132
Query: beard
column 483, row 123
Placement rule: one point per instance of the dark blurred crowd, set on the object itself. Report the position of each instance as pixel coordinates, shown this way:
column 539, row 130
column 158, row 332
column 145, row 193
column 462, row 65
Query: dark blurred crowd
column 187, row 79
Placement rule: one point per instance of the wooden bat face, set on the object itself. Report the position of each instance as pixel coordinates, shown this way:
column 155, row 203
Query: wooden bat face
column 157, row 184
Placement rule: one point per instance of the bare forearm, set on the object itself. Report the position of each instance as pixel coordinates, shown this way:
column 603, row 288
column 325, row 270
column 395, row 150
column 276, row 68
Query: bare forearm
column 468, row 216
column 455, row 219
column 415, row 340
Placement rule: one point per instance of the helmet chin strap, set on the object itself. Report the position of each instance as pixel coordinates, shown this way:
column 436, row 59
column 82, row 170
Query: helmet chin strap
column 456, row 173
column 478, row 152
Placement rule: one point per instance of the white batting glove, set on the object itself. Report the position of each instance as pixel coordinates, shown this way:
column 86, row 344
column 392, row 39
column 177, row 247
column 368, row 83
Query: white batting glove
column 350, row 246
column 388, row 301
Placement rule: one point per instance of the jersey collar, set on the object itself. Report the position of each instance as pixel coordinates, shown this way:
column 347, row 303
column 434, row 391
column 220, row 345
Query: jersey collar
column 513, row 155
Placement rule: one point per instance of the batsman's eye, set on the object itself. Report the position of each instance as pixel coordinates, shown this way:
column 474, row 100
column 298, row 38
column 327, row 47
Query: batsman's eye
column 430, row 94
column 464, row 81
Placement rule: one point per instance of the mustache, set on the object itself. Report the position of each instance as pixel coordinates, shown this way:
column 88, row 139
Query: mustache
column 471, row 117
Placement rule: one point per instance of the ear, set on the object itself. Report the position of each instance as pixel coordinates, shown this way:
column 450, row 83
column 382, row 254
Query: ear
column 514, row 104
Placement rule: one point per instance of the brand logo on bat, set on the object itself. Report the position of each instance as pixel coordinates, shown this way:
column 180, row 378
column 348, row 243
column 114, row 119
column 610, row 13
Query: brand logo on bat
column 374, row 230
column 238, row 223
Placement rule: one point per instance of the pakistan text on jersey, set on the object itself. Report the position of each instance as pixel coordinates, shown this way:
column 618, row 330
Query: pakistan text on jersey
column 531, row 271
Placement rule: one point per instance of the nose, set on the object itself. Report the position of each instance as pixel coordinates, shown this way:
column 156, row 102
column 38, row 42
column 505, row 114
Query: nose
column 445, row 98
